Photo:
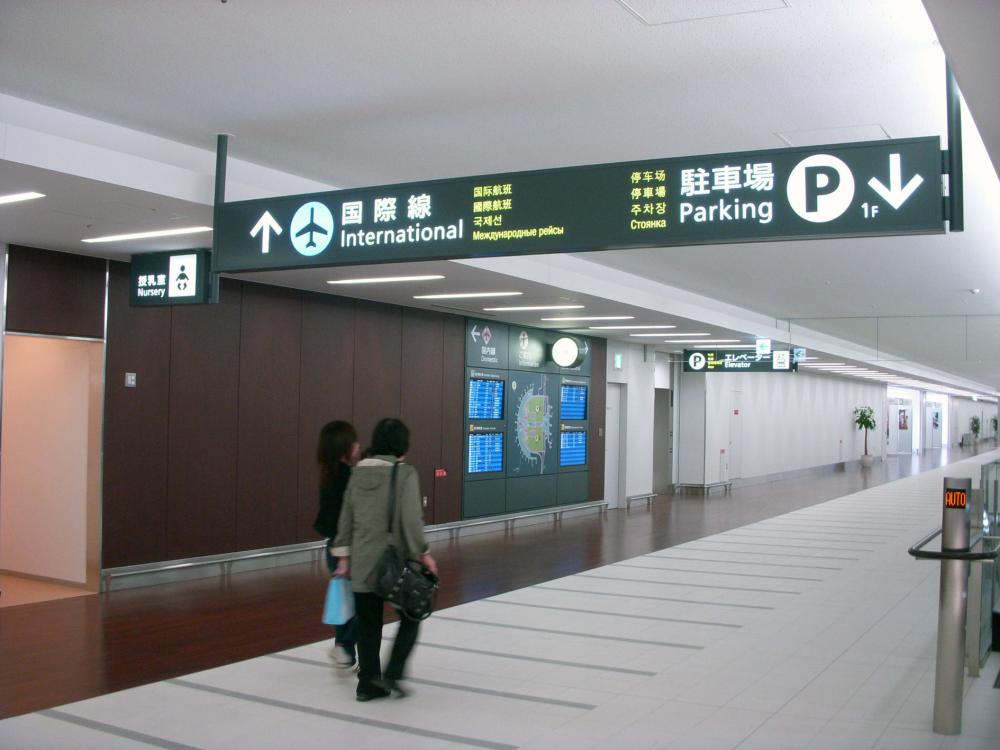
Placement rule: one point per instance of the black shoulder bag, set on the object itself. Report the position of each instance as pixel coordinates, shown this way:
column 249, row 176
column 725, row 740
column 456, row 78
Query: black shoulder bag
column 408, row 585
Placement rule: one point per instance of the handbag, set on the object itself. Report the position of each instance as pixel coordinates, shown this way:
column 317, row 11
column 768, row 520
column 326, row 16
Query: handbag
column 339, row 606
column 408, row 585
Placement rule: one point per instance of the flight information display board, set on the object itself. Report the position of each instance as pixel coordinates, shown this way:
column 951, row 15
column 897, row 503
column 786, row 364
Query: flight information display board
column 573, row 448
column 573, row 402
column 485, row 452
column 485, row 398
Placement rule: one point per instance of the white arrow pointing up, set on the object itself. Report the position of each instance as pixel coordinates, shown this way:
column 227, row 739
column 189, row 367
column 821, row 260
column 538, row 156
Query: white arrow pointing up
column 265, row 224
column 896, row 194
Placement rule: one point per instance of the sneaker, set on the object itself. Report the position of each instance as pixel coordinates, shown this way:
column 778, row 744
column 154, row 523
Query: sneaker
column 342, row 658
column 371, row 691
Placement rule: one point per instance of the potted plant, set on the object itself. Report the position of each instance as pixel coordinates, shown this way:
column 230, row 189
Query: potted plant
column 864, row 418
column 974, row 426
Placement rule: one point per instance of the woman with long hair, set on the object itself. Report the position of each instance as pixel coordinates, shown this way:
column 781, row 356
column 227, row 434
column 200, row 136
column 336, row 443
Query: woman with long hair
column 338, row 451
column 379, row 482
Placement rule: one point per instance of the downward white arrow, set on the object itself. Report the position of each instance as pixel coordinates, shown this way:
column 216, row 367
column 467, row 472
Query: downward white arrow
column 265, row 224
column 896, row 194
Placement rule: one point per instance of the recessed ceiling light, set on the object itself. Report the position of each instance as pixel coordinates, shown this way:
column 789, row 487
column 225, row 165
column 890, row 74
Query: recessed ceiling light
column 18, row 197
column 149, row 235
column 467, row 295
column 386, row 279
column 529, row 308
column 626, row 328
column 590, row 317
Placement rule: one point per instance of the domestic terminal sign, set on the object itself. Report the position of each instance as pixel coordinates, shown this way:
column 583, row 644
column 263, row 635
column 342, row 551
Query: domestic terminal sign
column 875, row 188
column 738, row 360
column 172, row 278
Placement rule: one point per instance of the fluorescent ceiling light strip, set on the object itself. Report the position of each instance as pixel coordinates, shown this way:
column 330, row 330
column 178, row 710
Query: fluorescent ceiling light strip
column 529, row 308
column 731, row 346
column 661, row 335
column 467, row 295
column 149, row 235
column 18, row 197
column 626, row 328
column 701, row 341
column 687, row 335
column 386, row 279
column 589, row 317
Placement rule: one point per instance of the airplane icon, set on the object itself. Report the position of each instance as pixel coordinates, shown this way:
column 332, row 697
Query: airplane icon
column 311, row 228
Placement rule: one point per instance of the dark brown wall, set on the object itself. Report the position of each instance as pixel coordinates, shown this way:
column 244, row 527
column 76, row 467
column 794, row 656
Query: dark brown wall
column 214, row 451
column 598, row 417
column 138, row 520
column 55, row 293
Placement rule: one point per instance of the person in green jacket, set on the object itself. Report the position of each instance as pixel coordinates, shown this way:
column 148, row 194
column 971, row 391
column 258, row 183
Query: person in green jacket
column 362, row 537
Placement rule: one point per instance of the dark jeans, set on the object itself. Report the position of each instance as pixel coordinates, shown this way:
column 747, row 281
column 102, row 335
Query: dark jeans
column 368, row 612
column 347, row 634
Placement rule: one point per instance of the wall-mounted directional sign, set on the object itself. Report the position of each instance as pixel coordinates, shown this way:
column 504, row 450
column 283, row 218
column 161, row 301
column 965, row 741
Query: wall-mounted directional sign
column 853, row 190
column 179, row 277
column 738, row 360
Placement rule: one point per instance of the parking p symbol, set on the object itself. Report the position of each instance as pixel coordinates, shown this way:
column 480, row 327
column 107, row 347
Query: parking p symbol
column 820, row 188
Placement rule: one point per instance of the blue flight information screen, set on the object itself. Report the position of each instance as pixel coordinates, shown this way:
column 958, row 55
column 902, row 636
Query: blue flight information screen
column 485, row 452
column 573, row 448
column 573, row 402
column 485, row 399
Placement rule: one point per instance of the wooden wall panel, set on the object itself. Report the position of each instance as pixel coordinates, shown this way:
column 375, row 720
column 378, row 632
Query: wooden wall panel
column 598, row 415
column 420, row 408
column 134, row 515
column 326, row 390
column 204, row 387
column 377, row 365
column 268, row 465
column 448, row 490
column 55, row 293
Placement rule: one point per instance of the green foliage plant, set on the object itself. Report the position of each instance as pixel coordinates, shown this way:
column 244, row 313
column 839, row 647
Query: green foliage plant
column 864, row 418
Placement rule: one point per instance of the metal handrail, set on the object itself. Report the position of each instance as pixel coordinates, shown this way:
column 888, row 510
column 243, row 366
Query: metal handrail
column 966, row 554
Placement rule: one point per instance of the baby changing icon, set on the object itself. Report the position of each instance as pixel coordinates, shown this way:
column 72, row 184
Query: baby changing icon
column 183, row 272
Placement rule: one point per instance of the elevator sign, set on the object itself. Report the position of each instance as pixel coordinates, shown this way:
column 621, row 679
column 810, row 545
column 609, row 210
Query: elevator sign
column 875, row 188
column 738, row 360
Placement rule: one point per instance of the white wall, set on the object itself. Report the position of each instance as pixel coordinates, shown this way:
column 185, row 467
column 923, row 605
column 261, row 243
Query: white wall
column 50, row 470
column 790, row 422
column 640, row 377
column 963, row 409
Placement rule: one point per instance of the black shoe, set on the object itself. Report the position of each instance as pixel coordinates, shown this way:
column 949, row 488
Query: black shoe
column 371, row 692
column 395, row 687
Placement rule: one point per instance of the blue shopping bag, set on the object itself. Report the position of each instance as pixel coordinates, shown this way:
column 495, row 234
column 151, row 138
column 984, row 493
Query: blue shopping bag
column 339, row 607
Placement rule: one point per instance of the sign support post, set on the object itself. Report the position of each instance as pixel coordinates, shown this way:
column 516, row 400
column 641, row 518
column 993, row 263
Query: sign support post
column 956, row 203
column 221, row 154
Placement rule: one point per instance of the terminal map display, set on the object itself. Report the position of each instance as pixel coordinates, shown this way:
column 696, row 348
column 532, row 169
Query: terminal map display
column 485, row 452
column 573, row 402
column 485, row 398
column 532, row 424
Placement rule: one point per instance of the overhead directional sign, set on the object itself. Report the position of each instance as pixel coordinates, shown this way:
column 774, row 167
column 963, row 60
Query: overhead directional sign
column 848, row 190
column 738, row 360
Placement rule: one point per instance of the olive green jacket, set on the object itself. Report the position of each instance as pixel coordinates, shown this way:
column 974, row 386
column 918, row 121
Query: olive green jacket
column 364, row 520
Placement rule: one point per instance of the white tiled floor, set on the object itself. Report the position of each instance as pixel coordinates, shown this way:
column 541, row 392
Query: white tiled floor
column 813, row 630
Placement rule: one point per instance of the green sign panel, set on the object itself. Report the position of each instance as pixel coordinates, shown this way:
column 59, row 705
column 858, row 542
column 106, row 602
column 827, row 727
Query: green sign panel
column 860, row 189
column 738, row 360
column 179, row 277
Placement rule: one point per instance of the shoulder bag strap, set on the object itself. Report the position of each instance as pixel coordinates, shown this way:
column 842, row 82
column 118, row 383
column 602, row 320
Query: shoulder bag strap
column 392, row 497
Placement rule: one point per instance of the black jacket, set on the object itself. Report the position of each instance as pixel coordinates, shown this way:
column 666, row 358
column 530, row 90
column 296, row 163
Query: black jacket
column 331, row 499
